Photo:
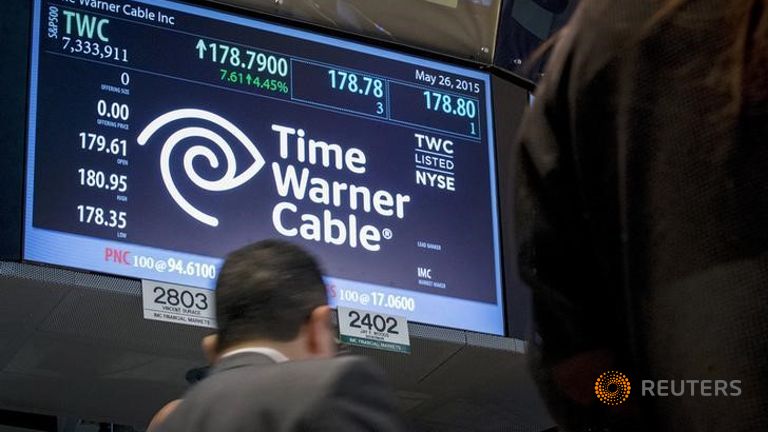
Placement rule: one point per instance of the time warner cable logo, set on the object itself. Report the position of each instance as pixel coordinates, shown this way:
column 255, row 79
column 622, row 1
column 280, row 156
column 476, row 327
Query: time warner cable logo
column 227, row 182
column 613, row 388
column 292, row 181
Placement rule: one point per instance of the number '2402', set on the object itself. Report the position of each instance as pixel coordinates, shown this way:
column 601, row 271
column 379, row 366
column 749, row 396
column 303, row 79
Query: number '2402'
column 375, row 322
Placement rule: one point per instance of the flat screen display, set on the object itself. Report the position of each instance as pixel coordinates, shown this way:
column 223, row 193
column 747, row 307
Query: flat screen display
column 524, row 26
column 164, row 135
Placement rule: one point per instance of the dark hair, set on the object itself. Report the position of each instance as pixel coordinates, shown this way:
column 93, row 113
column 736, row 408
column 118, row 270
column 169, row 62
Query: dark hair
column 741, row 69
column 266, row 290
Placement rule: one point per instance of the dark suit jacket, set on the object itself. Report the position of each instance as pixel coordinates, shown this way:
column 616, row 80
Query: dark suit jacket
column 642, row 208
column 249, row 392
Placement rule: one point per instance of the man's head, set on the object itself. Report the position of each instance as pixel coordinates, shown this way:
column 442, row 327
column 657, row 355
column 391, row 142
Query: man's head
column 272, row 293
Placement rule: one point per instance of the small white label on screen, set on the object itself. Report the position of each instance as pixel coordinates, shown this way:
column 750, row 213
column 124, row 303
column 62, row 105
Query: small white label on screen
column 178, row 304
column 374, row 330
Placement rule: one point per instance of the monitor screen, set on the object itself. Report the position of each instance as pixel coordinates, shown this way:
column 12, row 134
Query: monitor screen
column 164, row 135
column 524, row 25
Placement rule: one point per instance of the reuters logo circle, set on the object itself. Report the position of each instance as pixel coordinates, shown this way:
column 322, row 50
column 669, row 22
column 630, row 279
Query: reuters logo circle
column 612, row 388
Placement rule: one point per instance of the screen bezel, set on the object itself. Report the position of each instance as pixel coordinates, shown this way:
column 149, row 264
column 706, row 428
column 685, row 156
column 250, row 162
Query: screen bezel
column 16, row 28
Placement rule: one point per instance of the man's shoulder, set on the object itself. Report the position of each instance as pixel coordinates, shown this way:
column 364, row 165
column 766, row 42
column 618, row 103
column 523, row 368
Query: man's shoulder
column 302, row 380
column 335, row 365
column 288, row 394
column 356, row 389
column 330, row 376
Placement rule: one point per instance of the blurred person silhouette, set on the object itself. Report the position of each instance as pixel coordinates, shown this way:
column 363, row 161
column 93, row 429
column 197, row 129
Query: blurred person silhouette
column 274, row 367
column 642, row 214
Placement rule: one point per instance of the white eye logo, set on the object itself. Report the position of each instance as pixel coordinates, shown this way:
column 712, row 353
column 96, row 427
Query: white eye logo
column 227, row 182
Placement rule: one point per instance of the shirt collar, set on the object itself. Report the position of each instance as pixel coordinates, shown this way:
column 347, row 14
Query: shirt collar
column 272, row 353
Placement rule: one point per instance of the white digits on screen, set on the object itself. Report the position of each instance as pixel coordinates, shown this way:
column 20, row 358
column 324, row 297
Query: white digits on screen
column 230, row 179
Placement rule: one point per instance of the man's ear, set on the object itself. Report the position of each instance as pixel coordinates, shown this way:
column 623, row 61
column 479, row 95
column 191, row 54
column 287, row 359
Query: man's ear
column 320, row 333
column 210, row 346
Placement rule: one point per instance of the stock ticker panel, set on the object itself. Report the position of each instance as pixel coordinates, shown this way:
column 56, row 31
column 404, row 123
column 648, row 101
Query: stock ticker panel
column 163, row 135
